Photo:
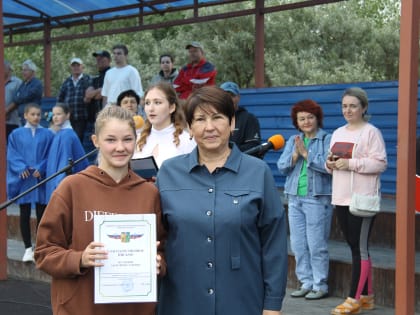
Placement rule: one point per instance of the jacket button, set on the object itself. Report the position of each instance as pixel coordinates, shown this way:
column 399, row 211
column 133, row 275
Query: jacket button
column 210, row 291
column 209, row 213
column 209, row 264
column 209, row 239
column 210, row 190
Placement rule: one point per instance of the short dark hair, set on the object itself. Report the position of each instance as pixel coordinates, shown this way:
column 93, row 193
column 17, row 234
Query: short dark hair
column 209, row 96
column 128, row 93
column 63, row 106
column 121, row 46
column 308, row 106
column 166, row 55
column 31, row 105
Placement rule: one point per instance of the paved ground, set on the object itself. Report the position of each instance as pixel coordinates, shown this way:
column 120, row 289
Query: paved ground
column 25, row 297
column 33, row 298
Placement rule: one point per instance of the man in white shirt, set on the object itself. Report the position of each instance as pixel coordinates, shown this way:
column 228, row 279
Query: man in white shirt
column 120, row 78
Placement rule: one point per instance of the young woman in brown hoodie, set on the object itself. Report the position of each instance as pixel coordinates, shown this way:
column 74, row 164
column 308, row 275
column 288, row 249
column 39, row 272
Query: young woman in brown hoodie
column 65, row 247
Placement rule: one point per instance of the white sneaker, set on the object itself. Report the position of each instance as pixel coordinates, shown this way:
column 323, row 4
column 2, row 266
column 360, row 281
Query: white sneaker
column 29, row 255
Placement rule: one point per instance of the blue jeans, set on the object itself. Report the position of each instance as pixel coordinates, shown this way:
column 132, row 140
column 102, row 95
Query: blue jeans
column 310, row 223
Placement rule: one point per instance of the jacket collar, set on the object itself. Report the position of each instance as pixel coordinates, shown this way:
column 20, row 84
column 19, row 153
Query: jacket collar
column 232, row 163
column 319, row 135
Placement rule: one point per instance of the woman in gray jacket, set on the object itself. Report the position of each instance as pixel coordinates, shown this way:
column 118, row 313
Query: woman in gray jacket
column 308, row 188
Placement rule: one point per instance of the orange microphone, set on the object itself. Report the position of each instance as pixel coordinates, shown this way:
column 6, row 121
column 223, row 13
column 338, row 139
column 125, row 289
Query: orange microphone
column 139, row 121
column 275, row 142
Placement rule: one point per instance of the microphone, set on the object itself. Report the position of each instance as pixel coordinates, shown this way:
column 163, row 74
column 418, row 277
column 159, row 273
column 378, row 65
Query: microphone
column 275, row 142
column 139, row 121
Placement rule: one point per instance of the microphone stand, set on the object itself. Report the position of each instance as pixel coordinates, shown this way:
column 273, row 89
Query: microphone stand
column 66, row 169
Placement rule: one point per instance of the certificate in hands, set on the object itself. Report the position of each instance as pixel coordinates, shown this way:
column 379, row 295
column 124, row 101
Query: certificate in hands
column 129, row 273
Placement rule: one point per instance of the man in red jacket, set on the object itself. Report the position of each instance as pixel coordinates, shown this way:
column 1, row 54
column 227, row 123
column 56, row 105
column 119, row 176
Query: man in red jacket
column 197, row 73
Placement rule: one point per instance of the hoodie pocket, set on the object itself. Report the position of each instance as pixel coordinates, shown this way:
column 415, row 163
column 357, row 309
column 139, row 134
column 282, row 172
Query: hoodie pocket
column 66, row 290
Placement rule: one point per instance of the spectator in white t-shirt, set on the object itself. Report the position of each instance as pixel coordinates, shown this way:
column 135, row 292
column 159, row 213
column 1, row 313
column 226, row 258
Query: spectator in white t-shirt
column 120, row 78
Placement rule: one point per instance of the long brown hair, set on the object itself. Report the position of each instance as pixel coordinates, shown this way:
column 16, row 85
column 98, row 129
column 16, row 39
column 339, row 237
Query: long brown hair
column 177, row 117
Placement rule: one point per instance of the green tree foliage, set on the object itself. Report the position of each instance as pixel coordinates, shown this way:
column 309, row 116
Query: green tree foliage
column 349, row 41
column 328, row 44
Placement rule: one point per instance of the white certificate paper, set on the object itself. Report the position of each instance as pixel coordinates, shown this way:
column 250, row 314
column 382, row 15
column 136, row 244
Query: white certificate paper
column 129, row 273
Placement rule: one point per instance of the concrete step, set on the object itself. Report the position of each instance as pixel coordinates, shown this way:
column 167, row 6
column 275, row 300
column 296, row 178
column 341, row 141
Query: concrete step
column 383, row 257
column 339, row 279
column 383, row 231
column 18, row 269
column 26, row 297
column 383, row 260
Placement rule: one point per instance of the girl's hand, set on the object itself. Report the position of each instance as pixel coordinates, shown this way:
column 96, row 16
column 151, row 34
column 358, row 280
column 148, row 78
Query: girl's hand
column 158, row 260
column 152, row 179
column 158, row 263
column 93, row 254
column 25, row 174
column 36, row 174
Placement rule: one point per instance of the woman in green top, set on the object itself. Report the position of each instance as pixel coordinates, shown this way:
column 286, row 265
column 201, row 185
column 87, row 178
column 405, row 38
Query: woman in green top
column 308, row 188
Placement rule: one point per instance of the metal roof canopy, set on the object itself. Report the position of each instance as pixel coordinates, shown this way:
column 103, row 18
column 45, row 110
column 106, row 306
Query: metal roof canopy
column 34, row 14
column 45, row 16
column 26, row 16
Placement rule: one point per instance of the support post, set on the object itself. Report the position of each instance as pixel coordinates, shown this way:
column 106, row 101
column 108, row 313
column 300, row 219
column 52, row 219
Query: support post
column 407, row 125
column 47, row 59
column 259, row 44
column 3, row 214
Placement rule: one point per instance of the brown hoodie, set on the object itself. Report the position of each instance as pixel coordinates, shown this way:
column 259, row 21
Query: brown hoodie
column 66, row 229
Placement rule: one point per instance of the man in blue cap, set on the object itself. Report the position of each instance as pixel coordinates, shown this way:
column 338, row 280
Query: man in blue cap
column 246, row 134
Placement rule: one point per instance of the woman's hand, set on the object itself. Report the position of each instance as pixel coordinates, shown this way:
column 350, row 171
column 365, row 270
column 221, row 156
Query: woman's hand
column 300, row 147
column 330, row 163
column 331, row 160
column 342, row 164
column 267, row 312
column 93, row 254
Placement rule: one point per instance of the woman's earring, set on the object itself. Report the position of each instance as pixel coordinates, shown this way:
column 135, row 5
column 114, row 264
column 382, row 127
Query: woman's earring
column 191, row 136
